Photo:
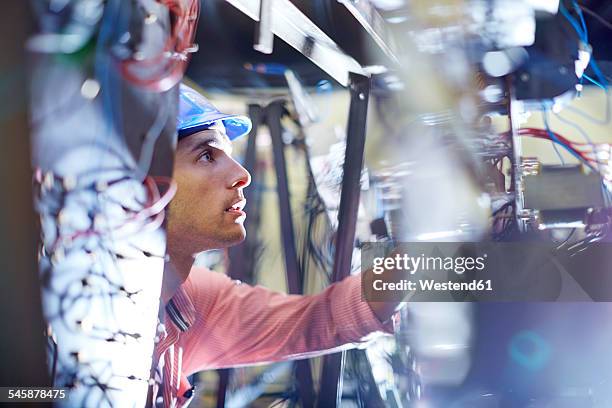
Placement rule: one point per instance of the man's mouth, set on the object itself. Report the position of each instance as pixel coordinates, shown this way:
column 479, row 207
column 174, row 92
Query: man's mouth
column 237, row 207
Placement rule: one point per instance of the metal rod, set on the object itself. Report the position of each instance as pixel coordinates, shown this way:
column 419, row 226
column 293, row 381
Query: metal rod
column 241, row 256
column 274, row 113
column 224, row 377
column 516, row 157
column 330, row 392
column 264, row 37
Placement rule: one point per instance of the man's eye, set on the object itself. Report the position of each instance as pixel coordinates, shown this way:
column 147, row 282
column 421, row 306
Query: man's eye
column 206, row 156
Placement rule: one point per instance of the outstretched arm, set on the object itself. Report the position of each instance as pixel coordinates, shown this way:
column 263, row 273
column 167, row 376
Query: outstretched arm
column 238, row 324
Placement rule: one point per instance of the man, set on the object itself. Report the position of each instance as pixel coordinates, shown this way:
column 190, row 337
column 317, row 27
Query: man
column 211, row 321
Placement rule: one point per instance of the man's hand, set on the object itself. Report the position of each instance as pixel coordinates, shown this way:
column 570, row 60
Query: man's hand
column 385, row 310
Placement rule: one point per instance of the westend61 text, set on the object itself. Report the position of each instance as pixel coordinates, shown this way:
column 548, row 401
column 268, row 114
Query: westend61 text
column 432, row 285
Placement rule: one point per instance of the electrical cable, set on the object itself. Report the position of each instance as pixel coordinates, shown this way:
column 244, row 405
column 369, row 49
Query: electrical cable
column 558, row 139
column 582, row 22
column 169, row 64
column 582, row 34
column 597, row 163
column 154, row 208
column 97, row 284
column 586, row 137
column 594, row 82
column 602, row 78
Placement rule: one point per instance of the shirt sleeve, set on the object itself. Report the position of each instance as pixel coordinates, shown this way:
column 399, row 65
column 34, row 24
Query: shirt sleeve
column 238, row 324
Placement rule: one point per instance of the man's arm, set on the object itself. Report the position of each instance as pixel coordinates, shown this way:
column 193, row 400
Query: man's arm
column 384, row 311
column 242, row 324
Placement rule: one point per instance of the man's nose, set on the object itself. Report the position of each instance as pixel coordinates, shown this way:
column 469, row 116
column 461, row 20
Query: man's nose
column 242, row 177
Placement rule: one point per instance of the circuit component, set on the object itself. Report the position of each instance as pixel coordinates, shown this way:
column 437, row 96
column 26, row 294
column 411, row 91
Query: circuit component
column 560, row 196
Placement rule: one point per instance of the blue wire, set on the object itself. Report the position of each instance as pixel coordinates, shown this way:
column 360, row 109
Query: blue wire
column 596, row 168
column 583, row 36
column 602, row 79
column 593, row 64
column 585, row 76
column 555, row 139
column 584, row 27
column 603, row 84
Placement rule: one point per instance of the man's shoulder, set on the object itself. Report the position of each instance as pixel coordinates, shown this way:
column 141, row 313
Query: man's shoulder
column 201, row 278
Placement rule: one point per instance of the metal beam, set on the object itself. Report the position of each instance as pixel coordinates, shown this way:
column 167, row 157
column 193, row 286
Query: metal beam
column 367, row 15
column 331, row 378
column 242, row 256
column 289, row 24
column 224, row 378
column 264, row 37
column 274, row 113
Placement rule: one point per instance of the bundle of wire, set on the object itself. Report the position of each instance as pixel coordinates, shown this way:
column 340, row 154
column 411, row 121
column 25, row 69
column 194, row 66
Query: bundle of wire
column 170, row 63
column 584, row 152
column 151, row 215
column 583, row 34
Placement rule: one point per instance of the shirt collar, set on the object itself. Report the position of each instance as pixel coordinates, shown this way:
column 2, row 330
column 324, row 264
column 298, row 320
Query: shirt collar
column 180, row 310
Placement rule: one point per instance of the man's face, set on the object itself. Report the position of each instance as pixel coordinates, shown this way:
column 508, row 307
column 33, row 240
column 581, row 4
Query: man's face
column 206, row 212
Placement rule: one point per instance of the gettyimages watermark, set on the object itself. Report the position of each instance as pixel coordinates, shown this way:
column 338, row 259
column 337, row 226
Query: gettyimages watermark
column 485, row 271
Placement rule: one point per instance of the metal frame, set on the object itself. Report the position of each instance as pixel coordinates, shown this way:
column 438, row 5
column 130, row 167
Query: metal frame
column 242, row 255
column 293, row 27
column 271, row 116
column 330, row 390
column 274, row 114
column 367, row 15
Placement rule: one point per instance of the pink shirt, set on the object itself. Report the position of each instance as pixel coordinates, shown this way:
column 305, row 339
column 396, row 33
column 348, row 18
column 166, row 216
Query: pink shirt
column 215, row 322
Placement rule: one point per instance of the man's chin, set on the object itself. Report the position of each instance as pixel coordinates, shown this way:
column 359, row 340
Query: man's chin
column 236, row 237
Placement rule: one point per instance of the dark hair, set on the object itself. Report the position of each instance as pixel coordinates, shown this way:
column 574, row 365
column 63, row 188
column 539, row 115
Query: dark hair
column 190, row 131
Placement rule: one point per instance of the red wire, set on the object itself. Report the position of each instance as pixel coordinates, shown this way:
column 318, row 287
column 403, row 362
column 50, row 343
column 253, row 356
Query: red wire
column 155, row 206
column 543, row 134
column 173, row 59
